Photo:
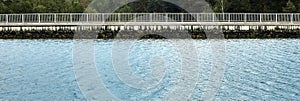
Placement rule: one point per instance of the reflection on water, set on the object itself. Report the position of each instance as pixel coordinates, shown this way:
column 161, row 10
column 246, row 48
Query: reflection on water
column 254, row 69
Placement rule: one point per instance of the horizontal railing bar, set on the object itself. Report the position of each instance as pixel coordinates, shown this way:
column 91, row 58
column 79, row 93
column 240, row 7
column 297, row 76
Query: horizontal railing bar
column 148, row 17
column 149, row 13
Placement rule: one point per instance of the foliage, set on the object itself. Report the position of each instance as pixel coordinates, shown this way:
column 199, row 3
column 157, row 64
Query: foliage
column 42, row 6
column 90, row 10
column 124, row 9
column 3, row 8
column 149, row 6
column 256, row 6
column 40, row 9
column 290, row 7
column 93, row 6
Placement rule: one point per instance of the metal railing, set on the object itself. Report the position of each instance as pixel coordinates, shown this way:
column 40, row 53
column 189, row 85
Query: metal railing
column 148, row 17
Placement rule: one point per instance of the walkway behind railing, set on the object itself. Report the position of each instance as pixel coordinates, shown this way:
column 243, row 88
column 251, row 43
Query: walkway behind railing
column 147, row 17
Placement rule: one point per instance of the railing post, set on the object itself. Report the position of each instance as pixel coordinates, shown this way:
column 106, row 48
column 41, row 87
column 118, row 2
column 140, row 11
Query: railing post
column 150, row 17
column 55, row 18
column 292, row 18
column 260, row 17
column 166, row 17
column 6, row 17
column 71, row 18
column 119, row 17
column 229, row 18
column 87, row 17
column 276, row 17
column 39, row 18
column 102, row 15
column 182, row 17
column 223, row 17
column 134, row 17
column 245, row 17
column 198, row 17
column 213, row 14
column 23, row 18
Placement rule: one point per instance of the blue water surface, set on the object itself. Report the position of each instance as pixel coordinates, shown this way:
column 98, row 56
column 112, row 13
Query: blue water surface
column 253, row 69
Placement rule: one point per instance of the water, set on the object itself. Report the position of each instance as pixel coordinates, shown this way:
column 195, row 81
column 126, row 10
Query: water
column 253, row 69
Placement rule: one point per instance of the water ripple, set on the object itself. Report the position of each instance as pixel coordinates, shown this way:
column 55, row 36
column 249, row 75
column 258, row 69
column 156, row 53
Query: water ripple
column 255, row 69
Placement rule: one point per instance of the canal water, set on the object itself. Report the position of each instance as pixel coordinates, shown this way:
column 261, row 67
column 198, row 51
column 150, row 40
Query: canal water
column 213, row 69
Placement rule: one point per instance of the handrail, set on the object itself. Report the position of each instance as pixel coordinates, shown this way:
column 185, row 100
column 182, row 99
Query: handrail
column 147, row 17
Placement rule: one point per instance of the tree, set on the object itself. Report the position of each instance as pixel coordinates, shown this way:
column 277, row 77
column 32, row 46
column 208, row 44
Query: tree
column 150, row 6
column 22, row 6
column 290, row 7
column 124, row 9
column 4, row 8
column 39, row 9
column 78, row 7
column 297, row 4
column 90, row 10
column 68, row 7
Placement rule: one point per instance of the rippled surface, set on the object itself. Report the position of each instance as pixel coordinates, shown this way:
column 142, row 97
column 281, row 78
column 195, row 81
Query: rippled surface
column 253, row 69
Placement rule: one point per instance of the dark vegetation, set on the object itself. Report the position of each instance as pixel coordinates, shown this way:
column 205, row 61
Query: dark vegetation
column 43, row 6
column 256, row 6
column 148, row 34
column 36, row 34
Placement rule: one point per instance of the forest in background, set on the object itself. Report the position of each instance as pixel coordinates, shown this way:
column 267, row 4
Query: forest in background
column 78, row 6
column 254, row 6
column 43, row 6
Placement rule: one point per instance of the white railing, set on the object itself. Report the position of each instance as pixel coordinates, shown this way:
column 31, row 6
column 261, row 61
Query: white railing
column 148, row 17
